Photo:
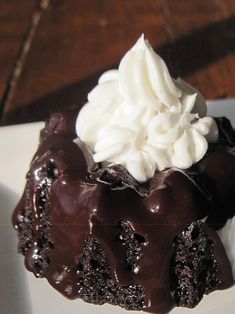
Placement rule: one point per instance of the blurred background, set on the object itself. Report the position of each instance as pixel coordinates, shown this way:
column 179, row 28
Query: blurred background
column 52, row 51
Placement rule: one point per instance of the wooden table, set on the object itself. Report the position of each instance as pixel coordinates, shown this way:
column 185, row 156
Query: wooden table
column 53, row 51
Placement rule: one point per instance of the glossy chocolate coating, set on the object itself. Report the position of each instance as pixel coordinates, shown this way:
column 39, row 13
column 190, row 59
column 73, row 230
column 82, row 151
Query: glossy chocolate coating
column 78, row 205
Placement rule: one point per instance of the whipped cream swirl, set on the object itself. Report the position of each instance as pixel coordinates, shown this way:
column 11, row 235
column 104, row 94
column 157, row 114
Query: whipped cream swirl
column 141, row 118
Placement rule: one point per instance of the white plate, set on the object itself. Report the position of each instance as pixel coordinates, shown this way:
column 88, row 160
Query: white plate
column 20, row 291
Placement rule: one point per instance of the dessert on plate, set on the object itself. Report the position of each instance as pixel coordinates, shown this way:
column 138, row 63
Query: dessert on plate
column 131, row 200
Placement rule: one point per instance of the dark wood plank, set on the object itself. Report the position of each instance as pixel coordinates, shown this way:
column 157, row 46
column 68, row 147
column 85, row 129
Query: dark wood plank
column 76, row 40
column 14, row 18
column 210, row 50
column 23, row 50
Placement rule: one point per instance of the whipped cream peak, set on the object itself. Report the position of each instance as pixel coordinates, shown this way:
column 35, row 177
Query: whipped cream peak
column 141, row 118
column 143, row 76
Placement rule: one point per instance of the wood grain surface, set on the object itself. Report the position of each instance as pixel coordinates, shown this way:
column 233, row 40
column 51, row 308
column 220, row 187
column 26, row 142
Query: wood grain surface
column 76, row 40
column 14, row 20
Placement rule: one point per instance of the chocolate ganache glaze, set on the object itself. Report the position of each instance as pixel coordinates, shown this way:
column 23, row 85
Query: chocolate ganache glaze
column 131, row 233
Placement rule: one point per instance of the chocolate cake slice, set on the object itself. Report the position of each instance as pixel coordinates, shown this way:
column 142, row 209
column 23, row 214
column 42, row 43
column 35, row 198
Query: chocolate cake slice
column 195, row 269
column 105, row 238
column 125, row 209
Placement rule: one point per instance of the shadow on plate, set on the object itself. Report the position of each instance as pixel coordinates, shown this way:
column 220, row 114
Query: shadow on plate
column 14, row 296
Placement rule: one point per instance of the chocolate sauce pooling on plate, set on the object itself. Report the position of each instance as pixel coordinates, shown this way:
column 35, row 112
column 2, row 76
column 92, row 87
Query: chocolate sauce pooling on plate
column 63, row 204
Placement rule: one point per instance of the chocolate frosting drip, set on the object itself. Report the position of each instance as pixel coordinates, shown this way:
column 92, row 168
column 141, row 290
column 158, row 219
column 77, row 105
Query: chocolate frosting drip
column 226, row 132
column 80, row 204
column 215, row 173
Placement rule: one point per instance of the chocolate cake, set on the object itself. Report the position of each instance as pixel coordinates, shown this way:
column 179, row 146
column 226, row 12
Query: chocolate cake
column 103, row 237
column 97, row 232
